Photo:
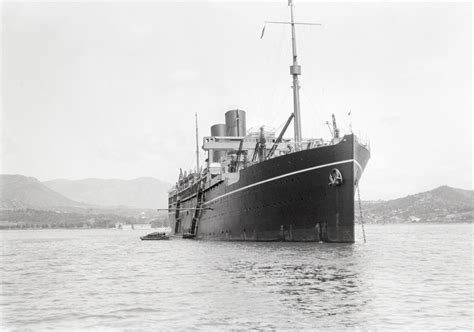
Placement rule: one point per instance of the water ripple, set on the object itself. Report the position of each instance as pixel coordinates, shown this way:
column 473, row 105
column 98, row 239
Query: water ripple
column 406, row 277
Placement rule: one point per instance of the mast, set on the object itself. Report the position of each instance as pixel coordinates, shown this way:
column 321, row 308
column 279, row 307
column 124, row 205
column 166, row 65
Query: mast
column 197, row 145
column 295, row 71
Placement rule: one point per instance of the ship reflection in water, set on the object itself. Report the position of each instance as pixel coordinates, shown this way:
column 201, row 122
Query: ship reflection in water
column 407, row 277
column 322, row 280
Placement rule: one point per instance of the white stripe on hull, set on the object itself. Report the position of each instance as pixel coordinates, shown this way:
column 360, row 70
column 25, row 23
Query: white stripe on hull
column 284, row 176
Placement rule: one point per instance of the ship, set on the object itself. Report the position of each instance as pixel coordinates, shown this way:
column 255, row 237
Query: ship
column 257, row 186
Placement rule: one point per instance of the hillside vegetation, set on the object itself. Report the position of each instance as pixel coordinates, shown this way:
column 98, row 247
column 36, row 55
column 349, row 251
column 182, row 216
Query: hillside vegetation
column 25, row 202
column 443, row 204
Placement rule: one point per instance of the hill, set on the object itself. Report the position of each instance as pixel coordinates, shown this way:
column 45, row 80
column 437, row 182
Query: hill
column 144, row 192
column 20, row 192
column 443, row 204
column 129, row 199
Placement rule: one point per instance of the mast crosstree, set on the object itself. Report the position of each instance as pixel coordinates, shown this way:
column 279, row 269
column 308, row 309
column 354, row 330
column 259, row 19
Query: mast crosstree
column 295, row 71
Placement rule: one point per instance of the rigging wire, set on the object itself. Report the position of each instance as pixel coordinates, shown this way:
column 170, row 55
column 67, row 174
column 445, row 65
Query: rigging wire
column 275, row 58
column 276, row 72
column 360, row 211
column 317, row 114
column 277, row 129
column 191, row 165
column 283, row 100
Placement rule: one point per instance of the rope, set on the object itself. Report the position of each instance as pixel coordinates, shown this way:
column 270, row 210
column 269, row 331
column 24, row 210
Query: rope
column 276, row 63
column 360, row 211
column 280, row 126
column 319, row 113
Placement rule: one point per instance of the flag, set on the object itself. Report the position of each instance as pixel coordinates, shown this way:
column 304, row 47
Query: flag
column 289, row 2
column 263, row 31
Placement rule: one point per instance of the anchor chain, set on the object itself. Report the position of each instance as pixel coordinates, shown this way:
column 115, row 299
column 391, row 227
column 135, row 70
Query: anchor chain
column 360, row 211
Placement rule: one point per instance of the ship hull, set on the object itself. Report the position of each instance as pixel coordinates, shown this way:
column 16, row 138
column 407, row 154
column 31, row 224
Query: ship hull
column 287, row 198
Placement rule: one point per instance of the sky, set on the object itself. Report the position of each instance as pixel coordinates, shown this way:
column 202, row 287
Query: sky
column 110, row 89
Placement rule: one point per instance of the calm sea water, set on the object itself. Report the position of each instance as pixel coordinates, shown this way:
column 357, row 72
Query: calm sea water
column 405, row 277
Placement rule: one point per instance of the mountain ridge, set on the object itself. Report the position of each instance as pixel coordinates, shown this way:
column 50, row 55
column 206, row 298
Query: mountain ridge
column 141, row 192
column 20, row 192
column 441, row 204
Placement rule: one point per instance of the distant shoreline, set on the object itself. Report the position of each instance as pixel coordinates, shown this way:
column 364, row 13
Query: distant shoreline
column 142, row 229
column 69, row 228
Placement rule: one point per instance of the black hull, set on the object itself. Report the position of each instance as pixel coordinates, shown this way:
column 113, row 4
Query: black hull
column 287, row 198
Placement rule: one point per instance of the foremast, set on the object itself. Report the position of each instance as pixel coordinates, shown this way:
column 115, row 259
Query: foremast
column 295, row 71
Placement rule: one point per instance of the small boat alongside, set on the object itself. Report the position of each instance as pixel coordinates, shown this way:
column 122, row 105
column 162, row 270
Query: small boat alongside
column 155, row 236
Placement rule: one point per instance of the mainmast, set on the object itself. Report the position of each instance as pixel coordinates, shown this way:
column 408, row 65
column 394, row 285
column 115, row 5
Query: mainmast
column 295, row 70
column 197, row 145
